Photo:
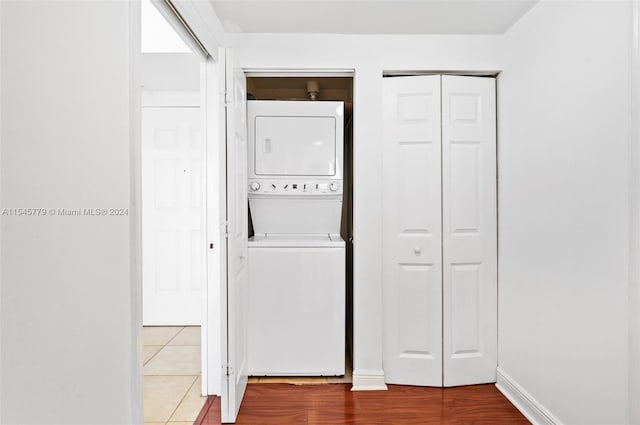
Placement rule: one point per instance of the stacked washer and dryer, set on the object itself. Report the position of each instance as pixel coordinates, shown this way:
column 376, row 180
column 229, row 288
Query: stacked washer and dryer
column 296, row 256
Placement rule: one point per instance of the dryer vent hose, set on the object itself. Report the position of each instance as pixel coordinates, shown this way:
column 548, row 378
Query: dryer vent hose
column 313, row 89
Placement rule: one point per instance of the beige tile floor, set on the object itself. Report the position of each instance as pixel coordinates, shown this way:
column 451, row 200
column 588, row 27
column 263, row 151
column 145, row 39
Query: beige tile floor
column 171, row 375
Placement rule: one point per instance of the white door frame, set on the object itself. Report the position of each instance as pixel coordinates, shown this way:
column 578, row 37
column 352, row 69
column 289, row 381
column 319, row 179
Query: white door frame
column 634, row 222
column 213, row 89
column 135, row 199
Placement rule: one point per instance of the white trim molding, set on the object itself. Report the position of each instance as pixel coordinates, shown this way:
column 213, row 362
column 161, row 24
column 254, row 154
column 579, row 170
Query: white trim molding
column 135, row 217
column 216, row 195
column 368, row 380
column 258, row 72
column 531, row 408
column 634, row 223
column 1, row 207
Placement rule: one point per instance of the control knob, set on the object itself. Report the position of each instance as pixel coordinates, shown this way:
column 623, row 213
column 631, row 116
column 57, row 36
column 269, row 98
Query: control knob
column 333, row 187
column 254, row 186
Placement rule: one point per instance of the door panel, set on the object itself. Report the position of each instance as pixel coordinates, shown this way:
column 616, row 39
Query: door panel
column 469, row 230
column 234, row 345
column 411, row 231
column 419, row 287
column 171, row 216
column 465, row 301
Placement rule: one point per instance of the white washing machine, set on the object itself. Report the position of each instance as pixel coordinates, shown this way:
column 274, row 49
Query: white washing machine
column 296, row 257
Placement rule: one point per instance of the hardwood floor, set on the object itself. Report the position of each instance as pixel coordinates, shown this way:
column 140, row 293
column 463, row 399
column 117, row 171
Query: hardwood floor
column 282, row 404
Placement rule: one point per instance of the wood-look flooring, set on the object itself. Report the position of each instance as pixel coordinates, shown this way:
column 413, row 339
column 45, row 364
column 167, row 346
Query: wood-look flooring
column 336, row 404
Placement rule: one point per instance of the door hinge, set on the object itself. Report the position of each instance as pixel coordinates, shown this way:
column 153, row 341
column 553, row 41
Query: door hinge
column 227, row 99
column 226, row 229
column 227, row 370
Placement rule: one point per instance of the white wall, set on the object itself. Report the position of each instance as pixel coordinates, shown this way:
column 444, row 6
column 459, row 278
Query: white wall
column 67, row 339
column 170, row 72
column 563, row 143
column 368, row 56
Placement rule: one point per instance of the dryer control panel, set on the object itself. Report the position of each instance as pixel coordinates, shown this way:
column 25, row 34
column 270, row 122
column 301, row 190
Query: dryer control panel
column 295, row 187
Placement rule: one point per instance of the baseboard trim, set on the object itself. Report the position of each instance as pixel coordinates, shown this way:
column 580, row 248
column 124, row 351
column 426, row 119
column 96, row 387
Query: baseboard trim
column 531, row 408
column 368, row 380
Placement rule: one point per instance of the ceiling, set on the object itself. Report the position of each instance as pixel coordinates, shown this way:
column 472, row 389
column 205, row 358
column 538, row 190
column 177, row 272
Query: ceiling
column 371, row 16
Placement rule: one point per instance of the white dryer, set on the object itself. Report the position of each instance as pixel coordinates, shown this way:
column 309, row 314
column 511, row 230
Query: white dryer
column 296, row 257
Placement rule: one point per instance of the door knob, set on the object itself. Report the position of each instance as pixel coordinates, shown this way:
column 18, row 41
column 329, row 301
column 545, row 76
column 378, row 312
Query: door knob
column 417, row 250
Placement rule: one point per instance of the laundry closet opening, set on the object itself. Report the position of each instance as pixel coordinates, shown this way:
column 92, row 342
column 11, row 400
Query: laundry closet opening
column 300, row 185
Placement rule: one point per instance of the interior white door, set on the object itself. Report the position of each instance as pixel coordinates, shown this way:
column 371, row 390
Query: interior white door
column 411, row 231
column 234, row 318
column 469, row 226
column 171, row 216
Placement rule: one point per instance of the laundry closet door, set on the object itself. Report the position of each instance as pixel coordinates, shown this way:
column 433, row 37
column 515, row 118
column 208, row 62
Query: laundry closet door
column 469, row 229
column 235, row 296
column 412, row 260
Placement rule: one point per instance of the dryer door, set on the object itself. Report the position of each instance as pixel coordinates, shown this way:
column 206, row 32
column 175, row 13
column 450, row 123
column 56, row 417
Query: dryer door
column 295, row 146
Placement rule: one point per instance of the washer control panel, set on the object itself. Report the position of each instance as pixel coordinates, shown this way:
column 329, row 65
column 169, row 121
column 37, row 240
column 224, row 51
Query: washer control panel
column 295, row 187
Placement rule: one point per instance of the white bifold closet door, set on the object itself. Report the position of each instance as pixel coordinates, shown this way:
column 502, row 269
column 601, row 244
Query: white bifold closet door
column 439, row 230
column 412, row 266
